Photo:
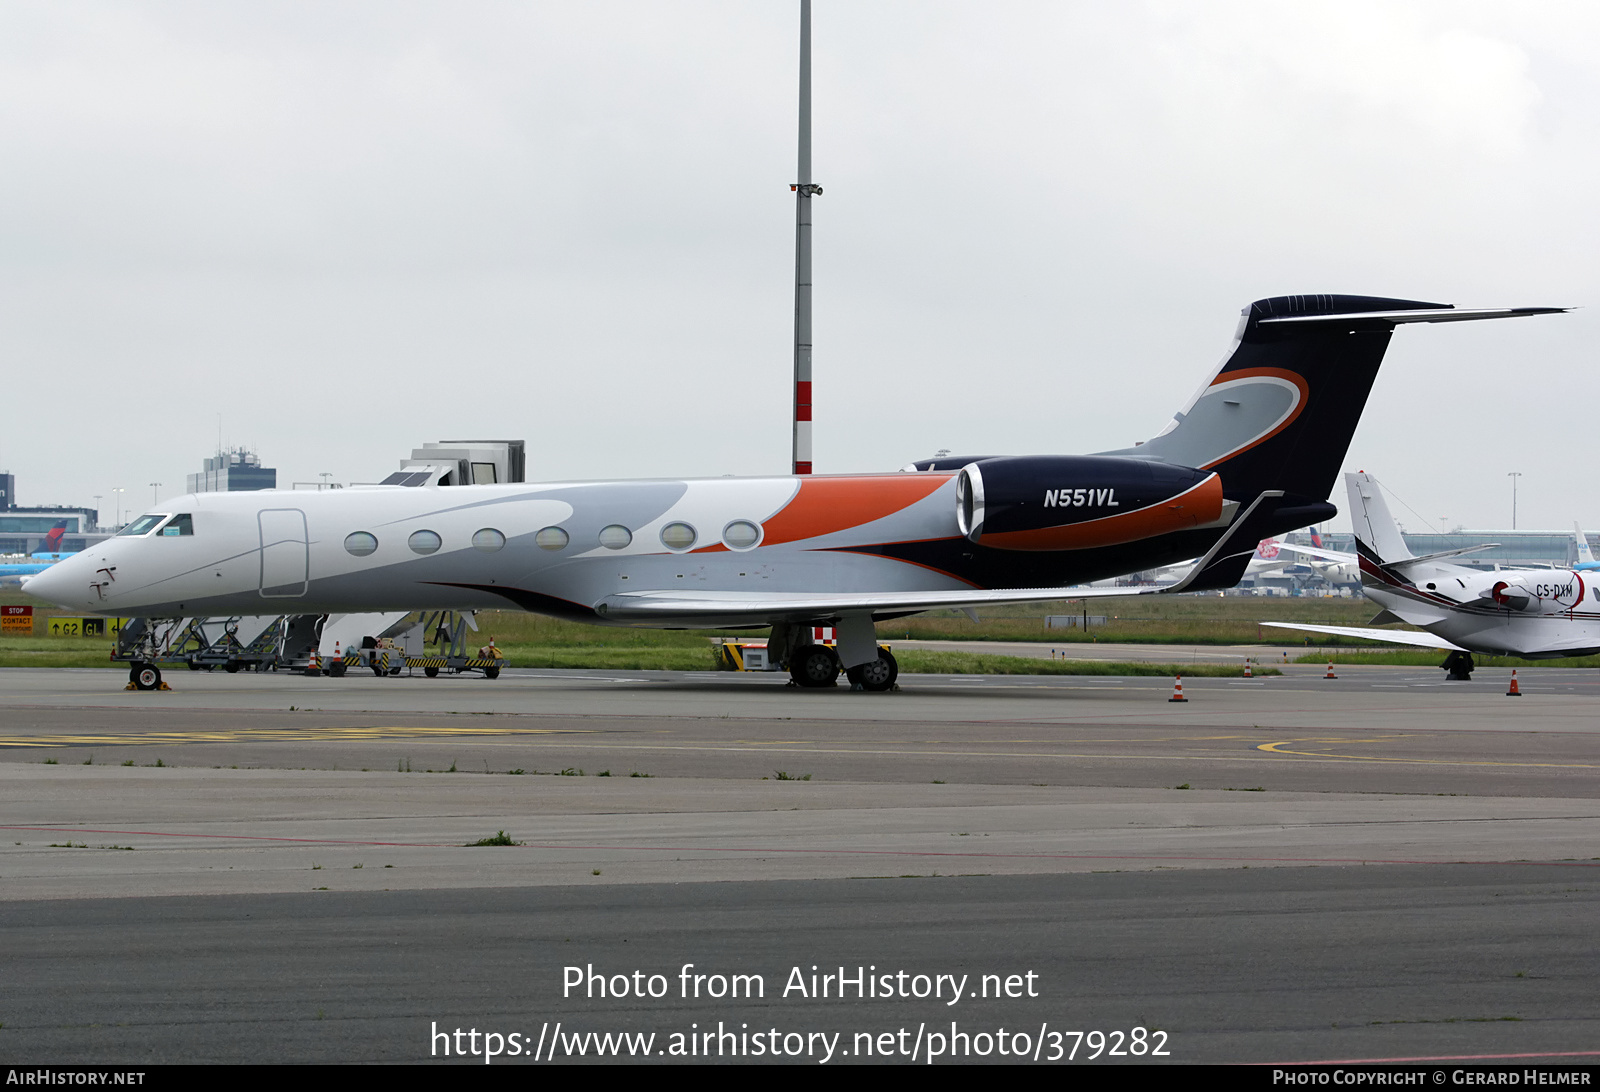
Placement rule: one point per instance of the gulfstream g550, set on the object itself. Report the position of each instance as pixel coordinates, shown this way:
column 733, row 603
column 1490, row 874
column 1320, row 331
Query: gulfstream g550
column 1254, row 454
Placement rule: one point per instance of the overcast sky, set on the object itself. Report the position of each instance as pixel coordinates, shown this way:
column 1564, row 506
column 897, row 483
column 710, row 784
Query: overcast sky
column 348, row 228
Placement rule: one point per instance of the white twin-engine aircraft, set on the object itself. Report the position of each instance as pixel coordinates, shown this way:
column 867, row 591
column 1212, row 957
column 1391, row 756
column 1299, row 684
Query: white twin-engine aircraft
column 1254, row 454
column 1532, row 613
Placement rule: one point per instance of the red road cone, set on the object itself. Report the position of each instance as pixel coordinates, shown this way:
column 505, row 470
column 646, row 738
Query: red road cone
column 1515, row 691
column 1330, row 674
column 1247, row 670
column 1177, row 690
column 315, row 666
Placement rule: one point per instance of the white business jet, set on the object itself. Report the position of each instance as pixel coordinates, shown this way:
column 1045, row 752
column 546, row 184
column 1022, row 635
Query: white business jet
column 1531, row 613
column 1255, row 453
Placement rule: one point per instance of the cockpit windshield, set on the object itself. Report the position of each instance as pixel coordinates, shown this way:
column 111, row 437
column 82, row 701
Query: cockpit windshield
column 179, row 525
column 142, row 526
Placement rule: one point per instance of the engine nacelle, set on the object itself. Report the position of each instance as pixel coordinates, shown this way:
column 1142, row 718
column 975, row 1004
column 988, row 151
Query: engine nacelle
column 1512, row 596
column 1080, row 502
column 1535, row 591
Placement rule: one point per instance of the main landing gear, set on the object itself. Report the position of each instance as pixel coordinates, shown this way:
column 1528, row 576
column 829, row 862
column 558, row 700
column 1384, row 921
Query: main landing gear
column 145, row 676
column 1460, row 666
column 818, row 666
column 814, row 666
column 877, row 676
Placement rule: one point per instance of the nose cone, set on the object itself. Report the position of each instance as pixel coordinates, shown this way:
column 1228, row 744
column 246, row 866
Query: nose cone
column 60, row 584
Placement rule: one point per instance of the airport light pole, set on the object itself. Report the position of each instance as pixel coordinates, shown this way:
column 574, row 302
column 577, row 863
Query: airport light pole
column 1514, row 475
column 97, row 497
column 804, row 191
column 155, row 492
column 118, row 491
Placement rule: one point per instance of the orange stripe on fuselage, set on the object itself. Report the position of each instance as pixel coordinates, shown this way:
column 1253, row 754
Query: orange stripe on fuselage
column 1199, row 504
column 822, row 506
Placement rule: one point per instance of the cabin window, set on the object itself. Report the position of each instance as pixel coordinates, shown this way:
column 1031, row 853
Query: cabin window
column 551, row 538
column 488, row 540
column 179, row 525
column 678, row 536
column 741, row 534
column 361, row 543
column 142, row 526
column 615, row 537
column 424, row 542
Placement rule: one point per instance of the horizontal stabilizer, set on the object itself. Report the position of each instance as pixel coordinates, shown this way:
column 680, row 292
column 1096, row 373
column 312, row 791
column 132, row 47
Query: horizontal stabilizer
column 1403, row 562
column 1399, row 637
column 1436, row 314
column 1318, row 552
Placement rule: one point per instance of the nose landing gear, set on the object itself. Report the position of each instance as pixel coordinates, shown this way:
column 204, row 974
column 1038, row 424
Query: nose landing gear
column 145, row 677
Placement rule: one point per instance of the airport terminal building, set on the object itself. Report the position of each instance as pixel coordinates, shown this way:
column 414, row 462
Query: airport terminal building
column 23, row 530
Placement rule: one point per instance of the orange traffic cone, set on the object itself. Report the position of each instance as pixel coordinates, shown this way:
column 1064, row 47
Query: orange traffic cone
column 1330, row 674
column 315, row 666
column 1247, row 670
column 1515, row 691
column 1177, row 690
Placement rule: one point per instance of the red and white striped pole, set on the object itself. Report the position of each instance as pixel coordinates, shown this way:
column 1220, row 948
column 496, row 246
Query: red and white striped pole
column 804, row 191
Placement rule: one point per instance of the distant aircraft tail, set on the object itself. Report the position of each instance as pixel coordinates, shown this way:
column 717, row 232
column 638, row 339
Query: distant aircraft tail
column 52, row 541
column 1280, row 410
column 1585, row 555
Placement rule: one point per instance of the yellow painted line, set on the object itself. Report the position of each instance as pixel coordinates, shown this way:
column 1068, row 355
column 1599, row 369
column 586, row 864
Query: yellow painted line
column 278, row 735
column 1278, row 749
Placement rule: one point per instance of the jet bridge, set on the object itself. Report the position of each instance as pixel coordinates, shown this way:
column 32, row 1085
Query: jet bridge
column 463, row 462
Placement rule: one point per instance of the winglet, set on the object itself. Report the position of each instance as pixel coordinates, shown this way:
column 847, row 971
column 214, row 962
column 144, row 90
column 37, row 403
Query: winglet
column 1238, row 542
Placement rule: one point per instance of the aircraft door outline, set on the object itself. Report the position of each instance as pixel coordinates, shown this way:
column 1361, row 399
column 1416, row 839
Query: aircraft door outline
column 285, row 553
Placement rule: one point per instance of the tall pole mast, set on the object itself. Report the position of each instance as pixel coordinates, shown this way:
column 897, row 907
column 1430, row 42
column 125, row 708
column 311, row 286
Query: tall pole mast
column 804, row 191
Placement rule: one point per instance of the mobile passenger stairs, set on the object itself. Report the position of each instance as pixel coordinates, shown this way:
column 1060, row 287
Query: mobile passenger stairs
column 311, row 644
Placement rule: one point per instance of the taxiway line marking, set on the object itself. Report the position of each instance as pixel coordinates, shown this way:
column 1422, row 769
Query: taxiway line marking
column 776, row 850
column 280, row 735
column 1277, row 749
